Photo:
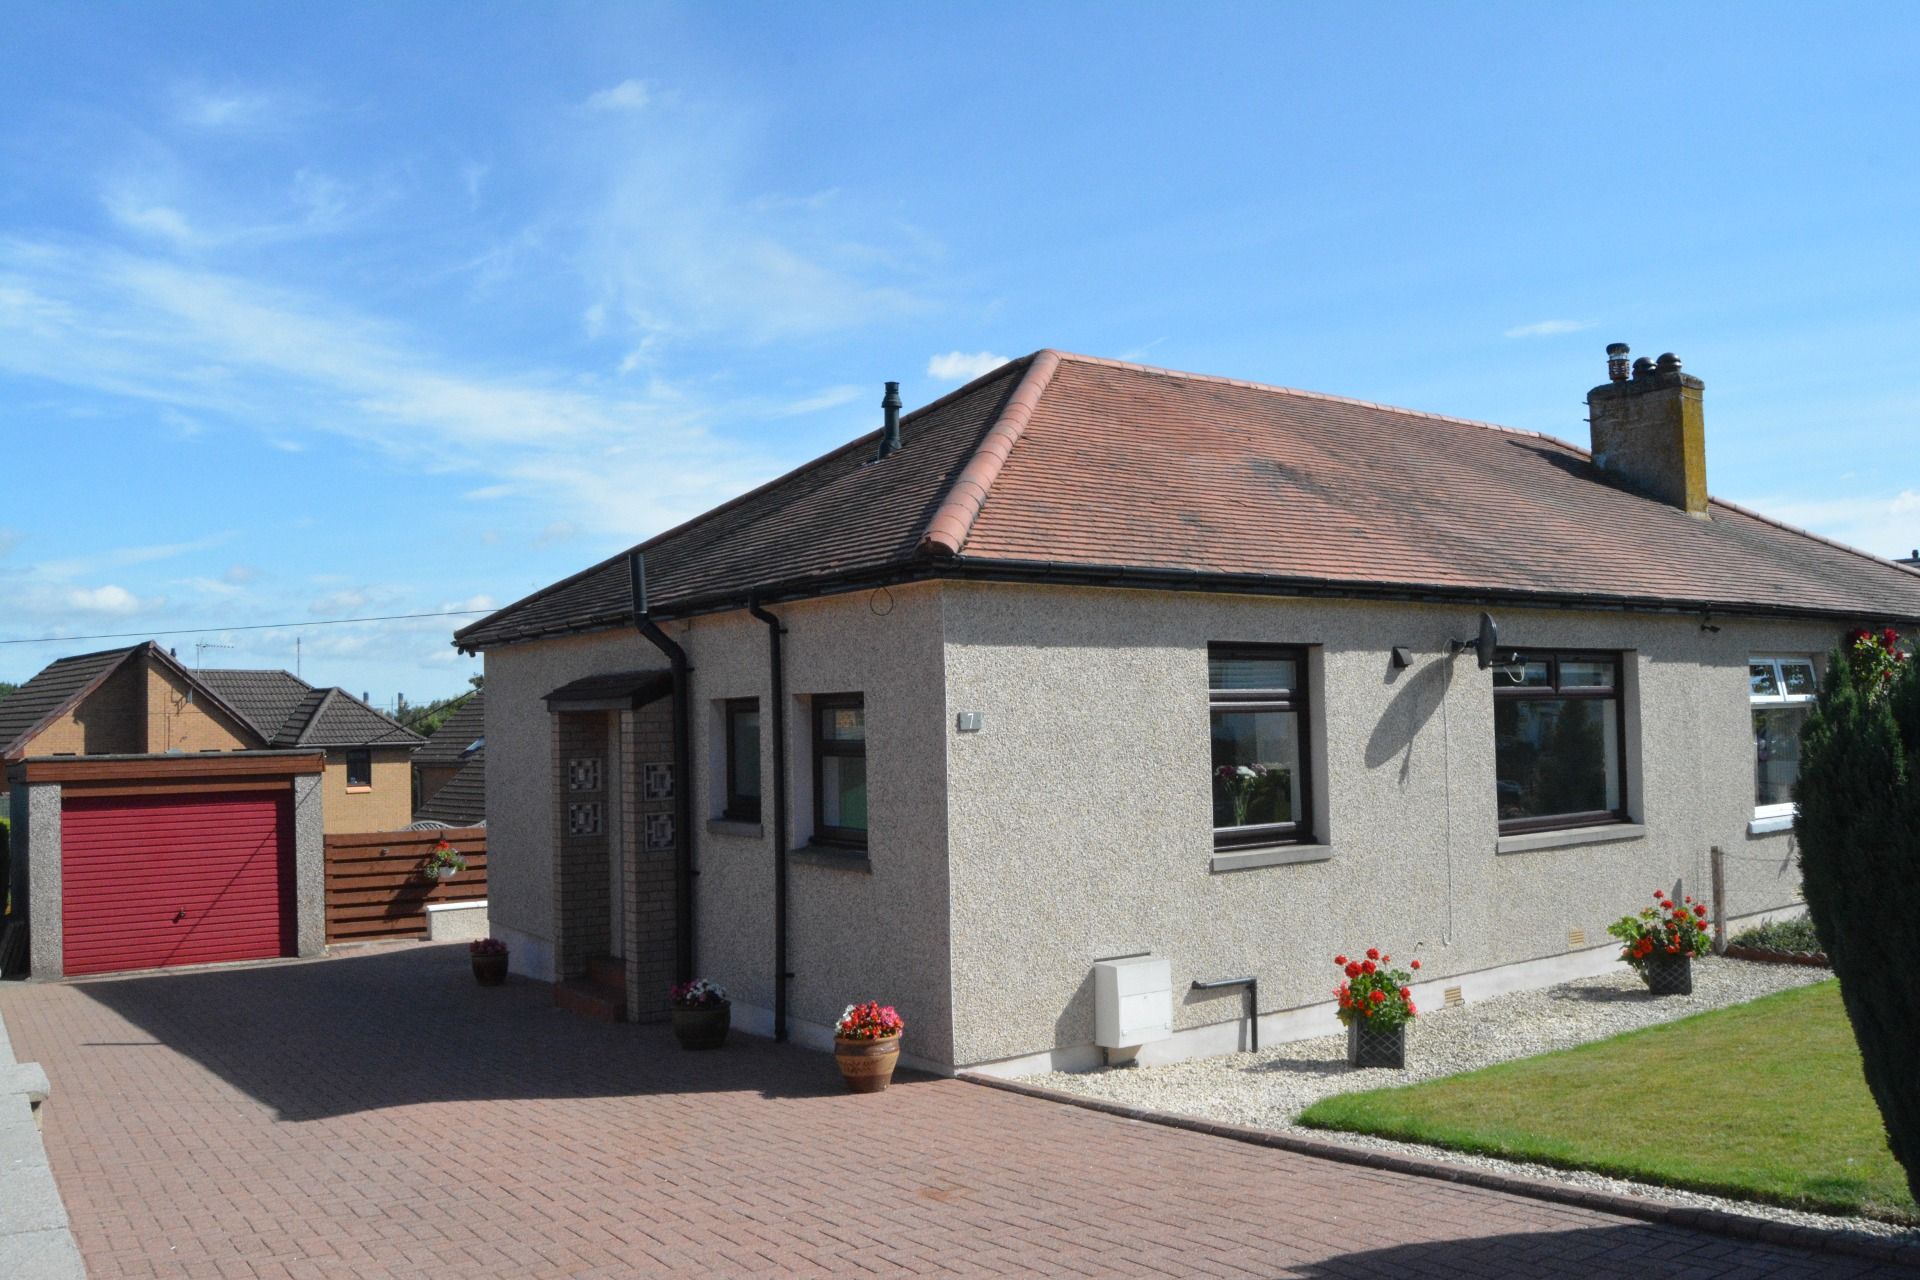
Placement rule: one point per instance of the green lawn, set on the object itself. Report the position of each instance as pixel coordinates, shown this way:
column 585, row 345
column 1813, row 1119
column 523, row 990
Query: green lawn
column 1764, row 1101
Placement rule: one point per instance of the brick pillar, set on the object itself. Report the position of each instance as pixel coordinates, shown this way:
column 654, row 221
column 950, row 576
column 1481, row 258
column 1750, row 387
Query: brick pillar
column 650, row 845
column 581, row 918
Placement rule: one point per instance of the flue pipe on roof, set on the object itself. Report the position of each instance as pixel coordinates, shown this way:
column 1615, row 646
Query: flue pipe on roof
column 890, row 434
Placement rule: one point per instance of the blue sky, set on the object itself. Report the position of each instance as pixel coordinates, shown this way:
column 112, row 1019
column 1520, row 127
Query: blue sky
column 311, row 312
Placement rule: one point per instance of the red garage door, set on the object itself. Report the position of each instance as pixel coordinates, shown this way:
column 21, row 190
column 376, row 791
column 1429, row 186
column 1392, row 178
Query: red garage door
column 188, row 879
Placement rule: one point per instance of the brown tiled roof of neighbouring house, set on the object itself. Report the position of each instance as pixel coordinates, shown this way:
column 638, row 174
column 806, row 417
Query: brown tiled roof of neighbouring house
column 462, row 800
column 55, row 688
column 1069, row 468
column 453, row 741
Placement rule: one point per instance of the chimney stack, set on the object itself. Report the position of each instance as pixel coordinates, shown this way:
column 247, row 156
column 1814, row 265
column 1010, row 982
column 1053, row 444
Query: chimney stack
column 1650, row 431
column 890, row 435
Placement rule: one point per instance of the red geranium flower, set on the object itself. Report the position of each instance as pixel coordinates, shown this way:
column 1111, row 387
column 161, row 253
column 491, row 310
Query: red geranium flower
column 1378, row 997
column 1368, row 966
column 1353, row 970
column 1340, row 960
column 1406, row 993
column 1416, row 964
column 1701, row 912
column 1373, row 953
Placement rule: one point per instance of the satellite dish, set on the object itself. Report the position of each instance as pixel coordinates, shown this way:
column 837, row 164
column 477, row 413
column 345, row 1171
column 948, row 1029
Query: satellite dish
column 1483, row 644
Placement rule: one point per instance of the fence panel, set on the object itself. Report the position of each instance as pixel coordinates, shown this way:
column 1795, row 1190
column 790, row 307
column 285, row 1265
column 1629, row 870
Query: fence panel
column 376, row 887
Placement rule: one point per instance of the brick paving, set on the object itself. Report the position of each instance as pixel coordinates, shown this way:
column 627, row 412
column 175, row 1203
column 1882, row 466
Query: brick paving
column 379, row 1115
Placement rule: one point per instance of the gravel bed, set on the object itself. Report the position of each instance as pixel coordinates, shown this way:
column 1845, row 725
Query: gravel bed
column 1270, row 1089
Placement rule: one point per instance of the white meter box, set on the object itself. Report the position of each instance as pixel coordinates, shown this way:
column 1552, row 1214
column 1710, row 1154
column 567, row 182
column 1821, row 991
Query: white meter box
column 1132, row 1001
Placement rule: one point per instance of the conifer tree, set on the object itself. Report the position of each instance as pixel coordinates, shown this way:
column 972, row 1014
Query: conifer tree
column 1859, row 840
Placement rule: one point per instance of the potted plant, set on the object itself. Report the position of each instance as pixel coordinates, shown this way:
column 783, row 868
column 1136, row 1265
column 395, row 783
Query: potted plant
column 489, row 956
column 1376, row 1004
column 701, row 1014
column 1661, row 942
column 443, row 862
column 866, row 1044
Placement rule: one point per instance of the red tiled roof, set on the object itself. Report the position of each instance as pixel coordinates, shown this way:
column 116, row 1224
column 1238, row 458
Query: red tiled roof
column 1069, row 465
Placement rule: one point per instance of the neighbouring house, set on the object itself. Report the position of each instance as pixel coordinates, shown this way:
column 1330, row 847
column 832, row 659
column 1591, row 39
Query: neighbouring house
column 1087, row 660
column 450, row 771
column 1912, row 560
column 168, row 816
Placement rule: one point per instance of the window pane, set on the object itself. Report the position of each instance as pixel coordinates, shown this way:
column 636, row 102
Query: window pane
column 1522, row 675
column 1256, row 768
column 843, row 724
column 1586, row 673
column 743, row 741
column 1799, row 679
column 1776, row 750
column 1761, row 681
column 843, row 792
column 1556, row 756
column 1251, row 673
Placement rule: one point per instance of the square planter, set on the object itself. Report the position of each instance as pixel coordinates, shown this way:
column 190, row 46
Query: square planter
column 1371, row 1046
column 1667, row 975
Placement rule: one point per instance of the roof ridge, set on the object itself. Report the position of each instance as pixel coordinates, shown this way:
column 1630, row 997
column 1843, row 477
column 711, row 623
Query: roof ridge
column 953, row 520
column 326, row 696
column 999, row 371
column 1328, row 396
column 98, row 678
column 1881, row 561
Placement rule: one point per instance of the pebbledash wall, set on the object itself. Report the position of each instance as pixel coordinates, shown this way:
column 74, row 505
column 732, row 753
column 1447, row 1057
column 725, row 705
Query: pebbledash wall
column 877, row 930
column 1081, row 819
column 1076, row 824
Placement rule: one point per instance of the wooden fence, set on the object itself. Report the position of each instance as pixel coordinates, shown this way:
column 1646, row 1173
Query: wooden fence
column 377, row 889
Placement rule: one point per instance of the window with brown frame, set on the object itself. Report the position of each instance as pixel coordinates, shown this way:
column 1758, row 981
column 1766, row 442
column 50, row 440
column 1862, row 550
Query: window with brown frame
column 1559, row 741
column 360, row 768
column 743, row 760
column 840, row 770
column 1257, row 702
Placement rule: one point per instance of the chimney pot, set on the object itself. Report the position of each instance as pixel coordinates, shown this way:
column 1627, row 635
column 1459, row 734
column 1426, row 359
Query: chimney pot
column 1643, row 368
column 1667, row 363
column 1617, row 361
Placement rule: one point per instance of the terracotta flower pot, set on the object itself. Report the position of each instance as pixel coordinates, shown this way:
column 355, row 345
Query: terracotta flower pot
column 1667, row 975
column 490, row 971
column 702, row 1028
column 867, row 1065
column 1371, row 1046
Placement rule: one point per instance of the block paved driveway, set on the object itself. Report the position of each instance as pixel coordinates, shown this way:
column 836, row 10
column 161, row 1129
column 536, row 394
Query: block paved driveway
column 379, row 1114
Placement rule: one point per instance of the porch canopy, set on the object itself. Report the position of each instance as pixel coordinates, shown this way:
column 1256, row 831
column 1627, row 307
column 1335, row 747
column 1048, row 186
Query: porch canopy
column 615, row 691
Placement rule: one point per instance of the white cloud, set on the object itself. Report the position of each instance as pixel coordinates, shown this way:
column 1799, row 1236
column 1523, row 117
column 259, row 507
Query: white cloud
column 1884, row 525
column 202, row 108
column 959, row 366
column 339, row 602
column 628, row 95
column 123, row 557
column 557, row 532
column 154, row 220
column 9, row 539
column 1548, row 328
column 241, row 574
column 831, row 398
column 290, row 367
column 111, row 600
column 487, row 493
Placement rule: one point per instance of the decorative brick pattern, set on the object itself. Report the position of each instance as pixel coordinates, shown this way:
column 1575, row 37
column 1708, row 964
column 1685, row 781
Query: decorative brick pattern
column 477, row 1133
column 649, row 849
column 584, row 775
column 584, row 818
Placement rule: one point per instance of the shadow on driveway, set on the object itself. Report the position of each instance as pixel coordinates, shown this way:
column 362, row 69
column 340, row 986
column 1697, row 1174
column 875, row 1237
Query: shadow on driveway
column 396, row 1027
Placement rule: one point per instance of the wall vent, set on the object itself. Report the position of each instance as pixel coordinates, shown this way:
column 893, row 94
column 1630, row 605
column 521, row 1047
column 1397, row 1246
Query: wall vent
column 1454, row 999
column 1576, row 938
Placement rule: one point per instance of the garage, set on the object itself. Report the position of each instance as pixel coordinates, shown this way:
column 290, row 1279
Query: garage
column 175, row 879
column 150, row 862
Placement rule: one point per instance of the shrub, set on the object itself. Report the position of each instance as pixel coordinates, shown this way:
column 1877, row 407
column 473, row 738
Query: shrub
column 1859, row 838
column 1796, row 934
column 1374, row 994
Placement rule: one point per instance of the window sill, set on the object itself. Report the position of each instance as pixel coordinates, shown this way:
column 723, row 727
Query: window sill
column 824, row 855
column 1569, row 837
column 355, row 791
column 1279, row 855
column 740, row 830
column 1768, row 826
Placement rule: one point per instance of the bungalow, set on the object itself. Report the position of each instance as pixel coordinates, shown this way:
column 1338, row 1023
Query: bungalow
column 1088, row 660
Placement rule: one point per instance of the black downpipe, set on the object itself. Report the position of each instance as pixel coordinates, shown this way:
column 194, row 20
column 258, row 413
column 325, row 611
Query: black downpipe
column 683, row 873
column 1253, row 1004
column 778, row 678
